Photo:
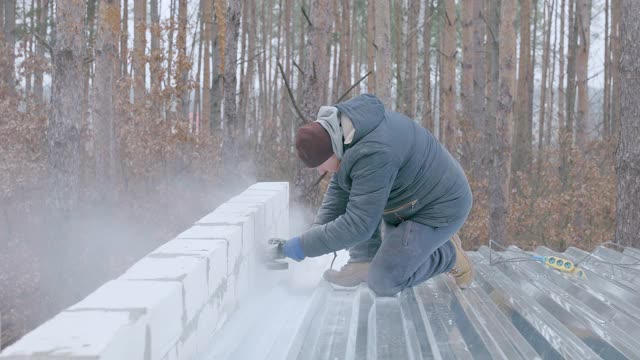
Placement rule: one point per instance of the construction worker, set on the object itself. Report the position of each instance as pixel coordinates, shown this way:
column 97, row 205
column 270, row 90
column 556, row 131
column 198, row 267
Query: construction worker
column 396, row 199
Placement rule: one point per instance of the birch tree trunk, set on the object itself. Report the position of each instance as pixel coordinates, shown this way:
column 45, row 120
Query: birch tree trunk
column 63, row 134
column 583, row 14
column 500, row 176
column 103, row 97
column 628, row 154
column 383, row 52
column 448, row 75
column 522, row 134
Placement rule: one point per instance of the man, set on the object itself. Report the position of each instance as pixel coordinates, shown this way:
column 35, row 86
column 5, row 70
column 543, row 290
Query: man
column 388, row 172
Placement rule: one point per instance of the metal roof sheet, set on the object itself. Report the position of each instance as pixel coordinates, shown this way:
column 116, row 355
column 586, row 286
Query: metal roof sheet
column 514, row 309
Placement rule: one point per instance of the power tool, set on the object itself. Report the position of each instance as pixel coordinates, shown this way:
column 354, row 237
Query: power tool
column 274, row 257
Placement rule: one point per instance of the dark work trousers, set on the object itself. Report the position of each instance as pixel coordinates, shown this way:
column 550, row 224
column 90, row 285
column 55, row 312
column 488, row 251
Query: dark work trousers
column 406, row 255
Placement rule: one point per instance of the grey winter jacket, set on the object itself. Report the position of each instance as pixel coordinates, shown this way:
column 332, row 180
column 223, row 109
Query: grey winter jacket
column 393, row 169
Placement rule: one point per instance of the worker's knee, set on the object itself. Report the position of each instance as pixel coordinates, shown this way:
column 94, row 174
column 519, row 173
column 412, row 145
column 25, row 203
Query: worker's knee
column 384, row 283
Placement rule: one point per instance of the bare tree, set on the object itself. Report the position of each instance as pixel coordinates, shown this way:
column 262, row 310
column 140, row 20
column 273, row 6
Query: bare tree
column 628, row 154
column 383, row 52
column 550, row 87
column 155, row 63
column 124, row 40
column 103, row 97
column 398, row 16
column 9, row 29
column 371, row 45
column 182, row 62
column 139, row 45
column 344, row 72
column 230, row 69
column 566, row 139
column 207, row 23
column 545, row 69
column 522, row 129
column 479, row 84
column 561, row 73
column 411, row 87
column 448, row 74
column 217, row 64
column 63, row 135
column 316, row 71
column 616, row 89
column 606, row 103
column 583, row 17
column 41, row 31
column 427, row 109
column 466, row 85
column 500, row 176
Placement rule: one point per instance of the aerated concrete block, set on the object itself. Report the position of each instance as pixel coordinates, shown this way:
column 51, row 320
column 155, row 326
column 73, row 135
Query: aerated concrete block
column 249, row 229
column 158, row 303
column 213, row 251
column 188, row 345
column 280, row 197
column 188, row 271
column 266, row 201
column 83, row 335
column 206, row 326
column 232, row 234
column 245, row 209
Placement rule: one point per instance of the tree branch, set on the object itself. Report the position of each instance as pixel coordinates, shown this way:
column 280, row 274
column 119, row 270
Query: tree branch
column 306, row 16
column 354, row 85
column 298, row 67
column 293, row 100
column 44, row 43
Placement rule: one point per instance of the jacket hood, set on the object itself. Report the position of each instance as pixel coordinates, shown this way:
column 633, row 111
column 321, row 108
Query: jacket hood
column 366, row 113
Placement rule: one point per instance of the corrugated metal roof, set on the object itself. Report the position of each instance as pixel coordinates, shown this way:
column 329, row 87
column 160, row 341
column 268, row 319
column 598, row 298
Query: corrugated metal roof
column 513, row 310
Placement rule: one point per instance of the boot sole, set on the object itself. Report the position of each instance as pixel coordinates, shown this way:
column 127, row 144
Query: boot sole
column 458, row 244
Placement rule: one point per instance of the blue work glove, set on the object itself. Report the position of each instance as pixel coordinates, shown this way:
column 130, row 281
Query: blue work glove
column 293, row 249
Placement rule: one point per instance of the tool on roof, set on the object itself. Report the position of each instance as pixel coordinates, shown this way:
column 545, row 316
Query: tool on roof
column 554, row 262
column 273, row 256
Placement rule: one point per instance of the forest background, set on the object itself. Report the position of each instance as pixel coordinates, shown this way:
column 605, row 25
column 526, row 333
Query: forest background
column 123, row 121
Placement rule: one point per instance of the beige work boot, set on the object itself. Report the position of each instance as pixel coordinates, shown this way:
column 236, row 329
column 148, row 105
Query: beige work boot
column 462, row 271
column 350, row 275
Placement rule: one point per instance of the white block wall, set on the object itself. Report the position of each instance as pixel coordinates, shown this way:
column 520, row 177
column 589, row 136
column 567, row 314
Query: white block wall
column 169, row 305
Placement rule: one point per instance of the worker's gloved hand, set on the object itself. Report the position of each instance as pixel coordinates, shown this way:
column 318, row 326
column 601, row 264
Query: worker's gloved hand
column 293, row 249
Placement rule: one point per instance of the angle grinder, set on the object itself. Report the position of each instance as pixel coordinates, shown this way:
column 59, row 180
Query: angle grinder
column 274, row 258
